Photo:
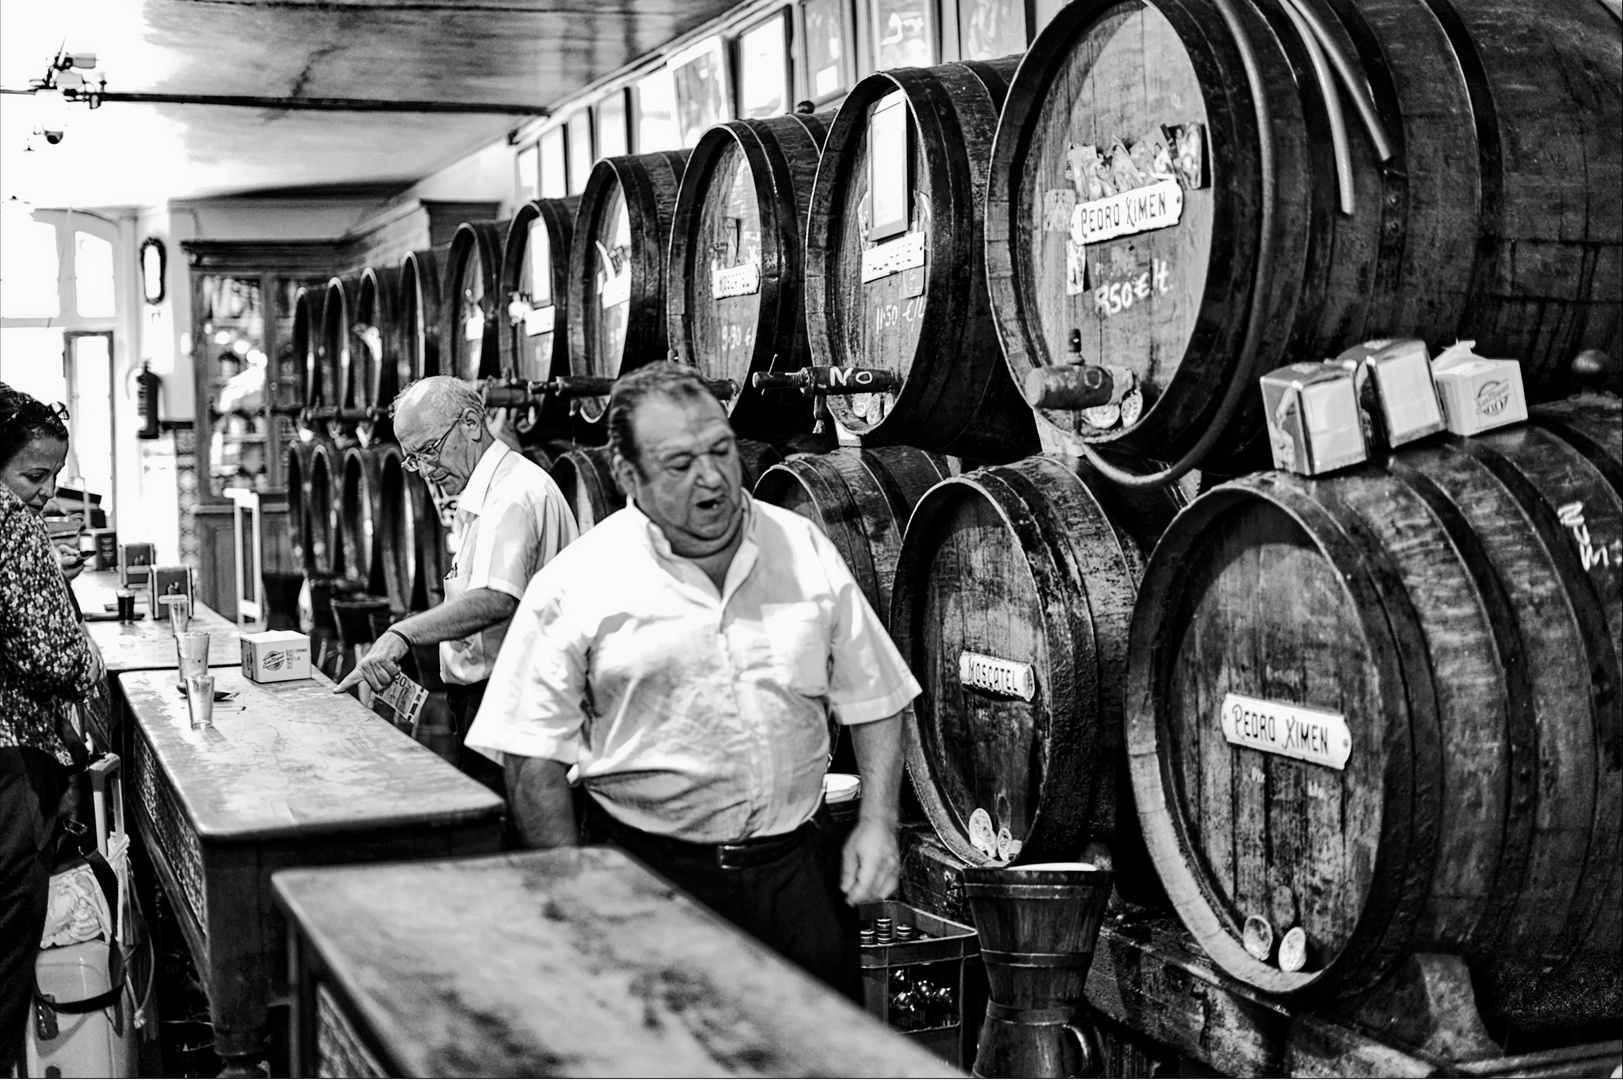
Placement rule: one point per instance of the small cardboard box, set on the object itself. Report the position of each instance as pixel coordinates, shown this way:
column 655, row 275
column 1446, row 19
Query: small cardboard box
column 1478, row 394
column 1395, row 389
column 1314, row 424
column 276, row 656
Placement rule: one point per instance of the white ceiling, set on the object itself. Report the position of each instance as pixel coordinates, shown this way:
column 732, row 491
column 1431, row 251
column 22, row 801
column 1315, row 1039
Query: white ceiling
column 483, row 52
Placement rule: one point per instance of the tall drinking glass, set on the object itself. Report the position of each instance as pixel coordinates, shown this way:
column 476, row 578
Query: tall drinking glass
column 192, row 649
column 200, row 700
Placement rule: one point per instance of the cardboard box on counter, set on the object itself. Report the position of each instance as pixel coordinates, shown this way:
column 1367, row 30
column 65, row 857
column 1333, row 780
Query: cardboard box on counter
column 1478, row 394
column 1395, row 388
column 1314, row 424
column 276, row 656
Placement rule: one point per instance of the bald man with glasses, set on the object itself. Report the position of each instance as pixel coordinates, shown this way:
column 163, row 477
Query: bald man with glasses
column 511, row 519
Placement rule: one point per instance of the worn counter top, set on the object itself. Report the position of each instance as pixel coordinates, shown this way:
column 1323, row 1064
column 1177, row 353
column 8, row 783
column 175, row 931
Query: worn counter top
column 576, row 962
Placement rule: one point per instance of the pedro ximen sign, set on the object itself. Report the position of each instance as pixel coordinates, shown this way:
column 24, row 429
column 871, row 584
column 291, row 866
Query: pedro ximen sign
column 1289, row 730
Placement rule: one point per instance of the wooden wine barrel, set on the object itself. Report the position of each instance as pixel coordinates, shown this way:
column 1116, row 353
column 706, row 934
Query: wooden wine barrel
column 1014, row 591
column 1381, row 708
column 923, row 313
column 385, row 369
column 1197, row 230
column 306, row 346
column 588, row 485
column 419, row 313
column 616, row 292
column 861, row 499
column 359, row 511
column 733, row 293
column 397, row 528
column 323, row 500
column 535, row 281
column 341, row 366
column 297, row 472
column 471, row 318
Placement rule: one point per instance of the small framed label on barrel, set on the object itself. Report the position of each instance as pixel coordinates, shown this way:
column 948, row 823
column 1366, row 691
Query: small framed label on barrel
column 1010, row 678
column 1293, row 731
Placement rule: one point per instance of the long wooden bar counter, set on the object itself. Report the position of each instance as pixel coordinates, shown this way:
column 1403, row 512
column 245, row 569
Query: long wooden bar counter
column 575, row 962
column 297, row 776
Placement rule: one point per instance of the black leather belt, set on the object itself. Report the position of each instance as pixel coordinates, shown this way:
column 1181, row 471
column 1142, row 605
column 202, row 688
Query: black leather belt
column 736, row 855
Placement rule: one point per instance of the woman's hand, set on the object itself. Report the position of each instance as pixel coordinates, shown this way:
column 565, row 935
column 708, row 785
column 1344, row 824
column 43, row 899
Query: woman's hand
column 98, row 666
column 70, row 559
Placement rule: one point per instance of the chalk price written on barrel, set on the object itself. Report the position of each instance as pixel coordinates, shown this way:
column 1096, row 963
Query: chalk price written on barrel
column 1292, row 731
column 1115, row 297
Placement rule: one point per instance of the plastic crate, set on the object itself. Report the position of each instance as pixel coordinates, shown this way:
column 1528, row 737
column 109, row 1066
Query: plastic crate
column 949, row 957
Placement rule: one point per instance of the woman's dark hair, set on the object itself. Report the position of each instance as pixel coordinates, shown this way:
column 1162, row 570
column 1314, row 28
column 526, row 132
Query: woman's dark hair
column 663, row 378
column 24, row 418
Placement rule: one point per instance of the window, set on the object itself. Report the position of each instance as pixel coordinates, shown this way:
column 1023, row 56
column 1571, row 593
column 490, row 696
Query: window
column 529, row 173
column 29, row 269
column 656, row 113
column 763, row 69
column 613, row 132
column 580, row 150
column 554, row 174
column 93, row 276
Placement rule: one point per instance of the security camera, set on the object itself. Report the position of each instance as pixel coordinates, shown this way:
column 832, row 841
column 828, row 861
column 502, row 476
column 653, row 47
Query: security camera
column 53, row 137
column 84, row 61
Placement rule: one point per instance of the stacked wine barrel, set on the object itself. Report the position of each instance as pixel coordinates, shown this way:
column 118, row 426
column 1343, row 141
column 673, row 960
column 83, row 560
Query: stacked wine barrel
column 535, row 343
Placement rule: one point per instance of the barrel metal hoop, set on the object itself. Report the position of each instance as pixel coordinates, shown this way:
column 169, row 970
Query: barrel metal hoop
column 1081, row 960
column 1054, row 1017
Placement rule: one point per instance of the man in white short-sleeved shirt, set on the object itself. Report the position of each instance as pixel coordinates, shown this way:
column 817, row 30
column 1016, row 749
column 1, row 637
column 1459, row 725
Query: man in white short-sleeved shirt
column 510, row 520
column 683, row 658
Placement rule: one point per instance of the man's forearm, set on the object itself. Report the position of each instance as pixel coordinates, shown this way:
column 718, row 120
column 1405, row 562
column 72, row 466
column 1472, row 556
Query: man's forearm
column 542, row 805
column 878, row 749
column 475, row 610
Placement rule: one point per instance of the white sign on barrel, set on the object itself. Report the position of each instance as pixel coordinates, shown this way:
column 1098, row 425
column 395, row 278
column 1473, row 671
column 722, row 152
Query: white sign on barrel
column 1293, row 731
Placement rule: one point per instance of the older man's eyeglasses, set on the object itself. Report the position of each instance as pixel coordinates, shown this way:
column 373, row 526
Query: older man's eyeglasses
column 422, row 460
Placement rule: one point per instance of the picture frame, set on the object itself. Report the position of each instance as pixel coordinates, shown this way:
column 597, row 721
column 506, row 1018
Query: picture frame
column 825, row 33
column 889, row 185
column 581, row 156
column 703, row 85
column 764, row 88
column 904, row 33
column 990, row 29
column 613, row 122
column 154, row 262
column 554, row 164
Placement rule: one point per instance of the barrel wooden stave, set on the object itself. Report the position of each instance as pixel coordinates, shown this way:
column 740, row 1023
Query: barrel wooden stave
column 359, row 514
column 472, row 312
column 861, row 499
column 1435, row 608
column 323, row 500
column 297, row 474
column 1427, row 252
column 535, row 277
column 744, row 200
column 617, row 255
column 419, row 313
column 306, row 348
column 384, row 368
column 588, row 485
column 930, row 326
column 342, row 366
column 1022, row 563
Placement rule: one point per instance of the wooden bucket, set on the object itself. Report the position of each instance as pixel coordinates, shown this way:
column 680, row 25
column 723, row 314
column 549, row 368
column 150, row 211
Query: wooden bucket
column 419, row 313
column 341, row 366
column 861, row 499
column 359, row 512
column 384, row 368
column 471, row 318
column 299, row 457
column 616, row 292
column 734, row 294
column 535, row 281
column 1260, row 238
column 306, row 347
column 1381, row 709
column 922, row 314
column 323, row 502
column 1014, row 592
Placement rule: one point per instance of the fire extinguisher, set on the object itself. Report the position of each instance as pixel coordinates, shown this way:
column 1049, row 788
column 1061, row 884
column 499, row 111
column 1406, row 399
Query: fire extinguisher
column 147, row 388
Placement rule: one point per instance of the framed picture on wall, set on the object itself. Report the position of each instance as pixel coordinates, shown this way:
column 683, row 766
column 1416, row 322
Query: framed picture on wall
column 825, row 31
column 903, row 33
column 581, row 156
column 656, row 113
column 704, row 92
column 888, row 182
column 554, row 164
column 614, row 125
column 988, row 29
column 763, row 68
column 528, row 164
